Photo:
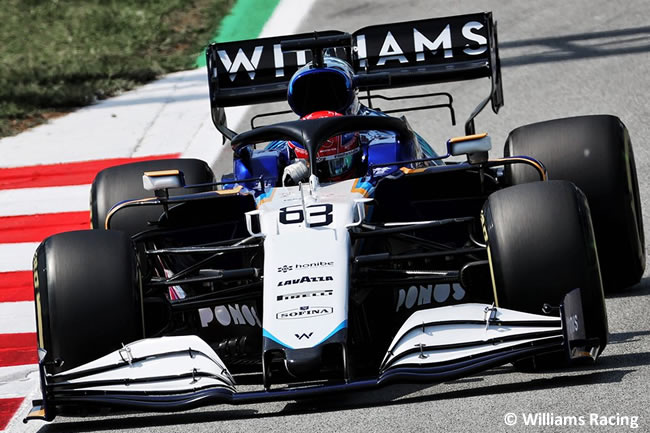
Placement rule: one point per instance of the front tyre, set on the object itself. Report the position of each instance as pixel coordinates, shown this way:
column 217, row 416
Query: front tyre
column 541, row 246
column 86, row 288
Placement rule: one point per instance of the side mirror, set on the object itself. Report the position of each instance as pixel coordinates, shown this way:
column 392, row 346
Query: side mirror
column 469, row 144
column 162, row 180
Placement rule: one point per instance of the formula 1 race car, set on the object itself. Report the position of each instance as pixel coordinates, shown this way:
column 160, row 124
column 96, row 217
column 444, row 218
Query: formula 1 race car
column 343, row 253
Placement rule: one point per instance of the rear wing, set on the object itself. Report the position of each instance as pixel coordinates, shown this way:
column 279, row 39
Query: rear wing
column 435, row 50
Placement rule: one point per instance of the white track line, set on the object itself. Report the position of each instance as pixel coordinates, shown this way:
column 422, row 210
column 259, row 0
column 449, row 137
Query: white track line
column 17, row 381
column 16, row 425
column 207, row 143
column 16, row 257
column 30, row 201
column 112, row 128
column 17, row 318
column 286, row 18
column 180, row 118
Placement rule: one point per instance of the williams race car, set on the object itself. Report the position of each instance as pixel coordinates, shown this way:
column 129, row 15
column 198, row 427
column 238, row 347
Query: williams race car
column 342, row 252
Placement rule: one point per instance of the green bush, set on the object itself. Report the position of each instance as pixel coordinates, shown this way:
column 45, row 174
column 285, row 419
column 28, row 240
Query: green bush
column 59, row 55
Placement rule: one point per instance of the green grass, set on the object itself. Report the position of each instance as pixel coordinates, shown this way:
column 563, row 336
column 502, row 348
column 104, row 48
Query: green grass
column 60, row 55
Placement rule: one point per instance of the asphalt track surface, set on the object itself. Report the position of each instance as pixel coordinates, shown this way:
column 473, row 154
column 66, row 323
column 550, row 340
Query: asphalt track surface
column 560, row 58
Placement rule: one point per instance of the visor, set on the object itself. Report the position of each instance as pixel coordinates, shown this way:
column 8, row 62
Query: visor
column 337, row 165
column 320, row 90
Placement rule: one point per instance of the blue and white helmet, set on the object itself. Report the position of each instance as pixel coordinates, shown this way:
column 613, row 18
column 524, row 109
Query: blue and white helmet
column 330, row 88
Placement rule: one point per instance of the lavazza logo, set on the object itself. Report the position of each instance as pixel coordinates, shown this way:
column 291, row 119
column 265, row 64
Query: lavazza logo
column 303, row 312
column 391, row 50
column 302, row 266
column 305, row 279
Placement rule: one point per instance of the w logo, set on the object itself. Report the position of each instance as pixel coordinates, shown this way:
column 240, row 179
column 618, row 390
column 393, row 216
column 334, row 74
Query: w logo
column 301, row 336
column 250, row 65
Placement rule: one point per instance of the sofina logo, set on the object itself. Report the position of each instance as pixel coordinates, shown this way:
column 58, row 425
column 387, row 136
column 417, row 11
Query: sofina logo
column 304, row 312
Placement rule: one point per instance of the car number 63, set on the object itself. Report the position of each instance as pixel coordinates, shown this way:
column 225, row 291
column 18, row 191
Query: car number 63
column 319, row 215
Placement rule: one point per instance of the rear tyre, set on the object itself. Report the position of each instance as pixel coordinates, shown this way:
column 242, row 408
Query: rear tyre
column 124, row 182
column 86, row 288
column 541, row 246
column 595, row 153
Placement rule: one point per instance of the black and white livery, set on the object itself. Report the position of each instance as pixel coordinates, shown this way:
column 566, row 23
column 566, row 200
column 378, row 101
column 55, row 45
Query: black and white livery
column 407, row 267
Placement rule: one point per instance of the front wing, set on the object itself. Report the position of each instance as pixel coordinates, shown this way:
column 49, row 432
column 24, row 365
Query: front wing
column 433, row 345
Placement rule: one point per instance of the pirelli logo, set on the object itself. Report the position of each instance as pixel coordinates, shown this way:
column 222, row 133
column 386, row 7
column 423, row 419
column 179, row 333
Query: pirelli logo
column 302, row 295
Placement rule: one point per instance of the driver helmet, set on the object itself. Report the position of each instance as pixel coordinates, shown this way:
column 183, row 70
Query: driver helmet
column 328, row 88
column 338, row 158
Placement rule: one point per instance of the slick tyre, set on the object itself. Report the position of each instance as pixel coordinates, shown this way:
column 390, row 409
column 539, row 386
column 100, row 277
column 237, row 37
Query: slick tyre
column 541, row 246
column 87, row 296
column 595, row 153
column 124, row 182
